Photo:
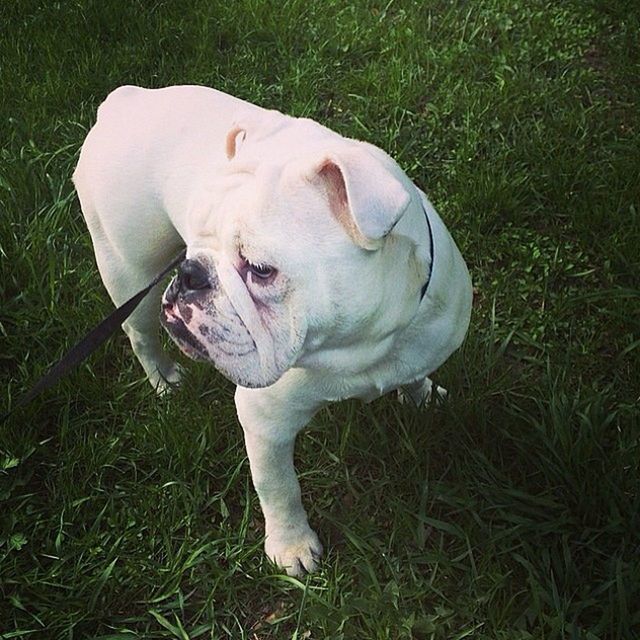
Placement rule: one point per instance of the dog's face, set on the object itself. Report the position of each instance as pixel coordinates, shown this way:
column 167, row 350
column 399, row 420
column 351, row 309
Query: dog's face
column 247, row 327
column 284, row 257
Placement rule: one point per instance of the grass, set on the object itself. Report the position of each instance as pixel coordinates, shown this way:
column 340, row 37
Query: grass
column 510, row 514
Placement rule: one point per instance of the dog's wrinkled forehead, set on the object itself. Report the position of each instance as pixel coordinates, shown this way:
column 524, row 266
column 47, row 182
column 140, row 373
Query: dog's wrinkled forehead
column 361, row 186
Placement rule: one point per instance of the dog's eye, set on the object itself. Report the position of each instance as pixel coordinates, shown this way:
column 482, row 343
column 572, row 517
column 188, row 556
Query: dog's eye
column 257, row 270
column 262, row 271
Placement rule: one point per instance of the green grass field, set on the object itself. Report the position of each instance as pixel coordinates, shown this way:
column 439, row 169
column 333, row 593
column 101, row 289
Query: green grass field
column 511, row 513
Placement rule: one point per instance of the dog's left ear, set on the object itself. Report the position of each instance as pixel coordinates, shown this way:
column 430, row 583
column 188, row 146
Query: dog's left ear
column 235, row 138
column 363, row 195
column 257, row 128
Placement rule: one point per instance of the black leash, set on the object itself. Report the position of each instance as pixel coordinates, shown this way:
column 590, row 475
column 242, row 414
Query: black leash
column 92, row 340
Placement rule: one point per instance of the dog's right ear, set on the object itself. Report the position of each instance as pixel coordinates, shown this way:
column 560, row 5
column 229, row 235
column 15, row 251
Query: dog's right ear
column 363, row 195
column 235, row 138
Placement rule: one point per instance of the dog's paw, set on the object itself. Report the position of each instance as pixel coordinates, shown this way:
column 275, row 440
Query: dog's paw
column 297, row 554
column 166, row 377
column 421, row 393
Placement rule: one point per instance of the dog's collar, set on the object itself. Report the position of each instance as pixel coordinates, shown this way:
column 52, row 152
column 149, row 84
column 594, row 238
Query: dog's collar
column 426, row 284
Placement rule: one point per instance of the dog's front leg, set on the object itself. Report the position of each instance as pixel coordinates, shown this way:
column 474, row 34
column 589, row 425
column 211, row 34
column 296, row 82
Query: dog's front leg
column 270, row 424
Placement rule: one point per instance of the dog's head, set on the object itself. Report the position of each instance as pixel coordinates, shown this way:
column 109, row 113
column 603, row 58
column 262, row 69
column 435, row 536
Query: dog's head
column 285, row 253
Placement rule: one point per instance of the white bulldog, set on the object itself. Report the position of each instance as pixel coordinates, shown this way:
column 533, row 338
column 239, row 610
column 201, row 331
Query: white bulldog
column 315, row 270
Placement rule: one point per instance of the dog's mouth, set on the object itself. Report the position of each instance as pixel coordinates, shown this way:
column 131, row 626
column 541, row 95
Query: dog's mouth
column 177, row 329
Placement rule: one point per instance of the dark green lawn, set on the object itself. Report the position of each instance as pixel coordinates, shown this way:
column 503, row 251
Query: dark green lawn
column 511, row 513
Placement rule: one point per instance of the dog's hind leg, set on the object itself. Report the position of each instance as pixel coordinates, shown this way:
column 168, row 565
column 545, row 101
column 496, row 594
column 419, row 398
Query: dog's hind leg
column 421, row 392
column 123, row 277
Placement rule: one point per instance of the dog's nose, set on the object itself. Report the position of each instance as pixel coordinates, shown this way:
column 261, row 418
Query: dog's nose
column 192, row 276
